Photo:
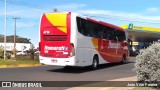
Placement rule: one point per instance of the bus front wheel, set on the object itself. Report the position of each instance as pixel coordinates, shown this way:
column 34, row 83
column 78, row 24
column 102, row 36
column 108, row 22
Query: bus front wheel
column 123, row 59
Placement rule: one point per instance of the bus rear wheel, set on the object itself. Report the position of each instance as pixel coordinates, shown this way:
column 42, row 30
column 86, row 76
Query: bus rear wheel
column 95, row 63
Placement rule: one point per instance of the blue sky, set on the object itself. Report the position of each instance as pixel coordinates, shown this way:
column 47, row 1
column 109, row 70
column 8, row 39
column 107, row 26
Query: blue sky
column 118, row 12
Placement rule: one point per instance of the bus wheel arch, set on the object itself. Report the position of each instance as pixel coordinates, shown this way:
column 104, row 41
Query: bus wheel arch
column 95, row 62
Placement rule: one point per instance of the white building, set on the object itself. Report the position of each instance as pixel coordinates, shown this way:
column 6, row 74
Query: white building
column 19, row 46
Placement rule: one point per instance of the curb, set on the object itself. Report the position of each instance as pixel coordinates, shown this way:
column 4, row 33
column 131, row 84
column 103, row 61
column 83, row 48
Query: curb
column 108, row 88
column 20, row 65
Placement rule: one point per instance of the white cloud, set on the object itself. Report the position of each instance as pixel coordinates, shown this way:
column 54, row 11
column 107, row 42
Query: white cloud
column 22, row 12
column 71, row 6
column 121, row 16
column 36, row 13
column 153, row 10
column 25, row 25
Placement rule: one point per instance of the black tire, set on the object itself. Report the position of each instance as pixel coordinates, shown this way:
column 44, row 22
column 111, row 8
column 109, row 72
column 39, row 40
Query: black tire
column 95, row 63
column 123, row 60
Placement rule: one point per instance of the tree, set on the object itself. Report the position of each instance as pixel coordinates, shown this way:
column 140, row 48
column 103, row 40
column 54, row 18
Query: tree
column 10, row 39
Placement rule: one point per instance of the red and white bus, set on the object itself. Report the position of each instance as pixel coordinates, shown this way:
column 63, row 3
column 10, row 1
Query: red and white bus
column 68, row 39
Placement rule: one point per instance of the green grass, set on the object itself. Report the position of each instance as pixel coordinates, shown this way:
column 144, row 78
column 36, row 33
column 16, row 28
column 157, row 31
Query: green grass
column 17, row 62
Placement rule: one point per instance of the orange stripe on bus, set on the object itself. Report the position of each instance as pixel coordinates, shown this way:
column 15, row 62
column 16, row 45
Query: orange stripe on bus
column 95, row 43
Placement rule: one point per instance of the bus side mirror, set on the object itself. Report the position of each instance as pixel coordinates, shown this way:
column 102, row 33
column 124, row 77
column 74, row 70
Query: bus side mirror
column 130, row 43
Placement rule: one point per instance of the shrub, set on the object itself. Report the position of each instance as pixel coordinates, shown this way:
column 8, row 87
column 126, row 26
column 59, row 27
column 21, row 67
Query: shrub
column 1, row 52
column 147, row 64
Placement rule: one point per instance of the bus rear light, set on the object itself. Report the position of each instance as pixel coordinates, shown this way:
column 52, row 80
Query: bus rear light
column 72, row 51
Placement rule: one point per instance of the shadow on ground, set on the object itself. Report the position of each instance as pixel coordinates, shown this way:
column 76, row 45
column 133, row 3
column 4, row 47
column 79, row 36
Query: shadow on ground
column 78, row 70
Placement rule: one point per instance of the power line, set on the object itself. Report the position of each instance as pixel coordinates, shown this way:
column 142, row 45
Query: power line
column 117, row 18
column 26, row 4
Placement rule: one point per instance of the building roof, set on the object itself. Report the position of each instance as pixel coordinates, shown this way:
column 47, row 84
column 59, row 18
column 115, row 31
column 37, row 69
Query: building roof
column 142, row 33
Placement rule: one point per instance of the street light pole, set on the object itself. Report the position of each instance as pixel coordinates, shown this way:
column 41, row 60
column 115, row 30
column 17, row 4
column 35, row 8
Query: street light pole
column 15, row 36
column 5, row 27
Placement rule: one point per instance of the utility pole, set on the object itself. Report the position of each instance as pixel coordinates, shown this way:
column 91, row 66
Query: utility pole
column 5, row 27
column 15, row 19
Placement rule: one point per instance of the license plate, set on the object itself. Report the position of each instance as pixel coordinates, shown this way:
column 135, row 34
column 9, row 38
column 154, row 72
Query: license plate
column 54, row 61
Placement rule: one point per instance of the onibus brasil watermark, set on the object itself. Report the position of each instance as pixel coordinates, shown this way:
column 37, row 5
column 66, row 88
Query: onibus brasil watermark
column 21, row 84
column 78, row 84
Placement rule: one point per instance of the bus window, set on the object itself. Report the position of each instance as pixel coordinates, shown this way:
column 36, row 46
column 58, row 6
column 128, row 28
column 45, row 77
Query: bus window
column 83, row 26
column 105, row 33
column 79, row 24
column 90, row 28
column 111, row 34
column 97, row 31
column 120, row 35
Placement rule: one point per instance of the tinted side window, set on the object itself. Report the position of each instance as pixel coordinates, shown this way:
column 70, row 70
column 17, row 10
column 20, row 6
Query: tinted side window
column 120, row 35
column 111, row 34
column 97, row 31
column 82, row 25
column 123, row 36
column 91, row 29
column 105, row 32
column 79, row 25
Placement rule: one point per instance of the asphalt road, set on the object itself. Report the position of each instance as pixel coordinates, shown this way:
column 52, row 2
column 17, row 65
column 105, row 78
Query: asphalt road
column 54, row 73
